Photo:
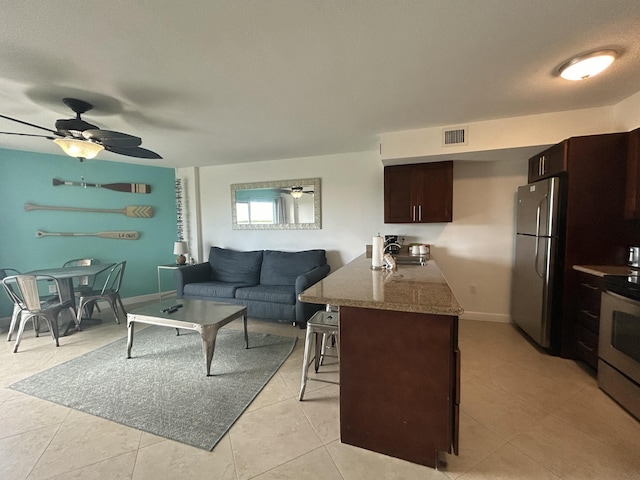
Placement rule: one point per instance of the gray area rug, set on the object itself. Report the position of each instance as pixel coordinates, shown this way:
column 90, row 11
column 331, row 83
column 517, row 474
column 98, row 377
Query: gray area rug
column 163, row 389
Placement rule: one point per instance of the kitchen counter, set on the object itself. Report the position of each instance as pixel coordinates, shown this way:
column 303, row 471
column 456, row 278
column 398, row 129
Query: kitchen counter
column 410, row 288
column 399, row 358
column 604, row 270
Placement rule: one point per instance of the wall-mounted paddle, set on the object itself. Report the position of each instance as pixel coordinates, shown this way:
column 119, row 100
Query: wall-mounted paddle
column 119, row 187
column 125, row 235
column 135, row 211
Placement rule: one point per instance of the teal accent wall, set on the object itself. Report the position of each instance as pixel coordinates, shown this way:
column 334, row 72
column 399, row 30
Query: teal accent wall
column 28, row 178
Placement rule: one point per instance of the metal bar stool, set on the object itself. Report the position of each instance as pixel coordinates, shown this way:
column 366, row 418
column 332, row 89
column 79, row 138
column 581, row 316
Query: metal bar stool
column 320, row 326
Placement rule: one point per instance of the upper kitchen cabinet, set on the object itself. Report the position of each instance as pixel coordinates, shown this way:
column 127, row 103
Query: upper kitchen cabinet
column 632, row 199
column 418, row 193
column 549, row 163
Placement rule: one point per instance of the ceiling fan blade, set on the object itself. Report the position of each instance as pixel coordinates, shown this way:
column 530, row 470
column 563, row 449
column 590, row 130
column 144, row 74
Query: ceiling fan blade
column 49, row 137
column 108, row 137
column 30, row 124
column 138, row 152
column 68, row 126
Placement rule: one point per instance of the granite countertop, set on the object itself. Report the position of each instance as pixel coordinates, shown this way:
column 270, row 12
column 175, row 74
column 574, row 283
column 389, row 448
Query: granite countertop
column 603, row 270
column 410, row 288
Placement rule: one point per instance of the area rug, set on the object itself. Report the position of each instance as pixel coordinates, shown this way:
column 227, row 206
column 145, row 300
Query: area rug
column 163, row 389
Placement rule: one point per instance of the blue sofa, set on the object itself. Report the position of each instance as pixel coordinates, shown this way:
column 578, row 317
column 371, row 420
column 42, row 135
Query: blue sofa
column 267, row 282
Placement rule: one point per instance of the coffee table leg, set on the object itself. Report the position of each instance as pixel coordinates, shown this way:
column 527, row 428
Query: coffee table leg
column 208, row 336
column 246, row 335
column 129, row 337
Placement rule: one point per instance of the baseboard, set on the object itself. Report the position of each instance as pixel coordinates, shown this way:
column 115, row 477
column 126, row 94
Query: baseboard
column 154, row 297
column 151, row 297
column 486, row 317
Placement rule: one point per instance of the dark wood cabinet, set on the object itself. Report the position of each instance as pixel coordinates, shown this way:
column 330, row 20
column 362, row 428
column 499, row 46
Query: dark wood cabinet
column 587, row 318
column 418, row 193
column 591, row 171
column 549, row 163
column 399, row 383
column 632, row 200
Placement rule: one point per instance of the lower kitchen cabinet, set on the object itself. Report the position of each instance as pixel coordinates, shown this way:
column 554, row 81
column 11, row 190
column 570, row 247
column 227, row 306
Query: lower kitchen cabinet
column 586, row 323
column 400, row 383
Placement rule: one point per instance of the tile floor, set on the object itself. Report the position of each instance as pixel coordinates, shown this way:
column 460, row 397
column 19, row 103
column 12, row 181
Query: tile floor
column 525, row 415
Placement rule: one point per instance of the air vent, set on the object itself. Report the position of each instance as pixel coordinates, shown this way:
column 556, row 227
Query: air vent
column 454, row 136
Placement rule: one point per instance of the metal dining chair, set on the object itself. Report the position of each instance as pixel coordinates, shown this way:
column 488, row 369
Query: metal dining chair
column 7, row 272
column 32, row 306
column 109, row 291
column 84, row 283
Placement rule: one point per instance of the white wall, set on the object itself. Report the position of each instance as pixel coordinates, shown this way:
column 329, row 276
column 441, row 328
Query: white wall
column 509, row 134
column 351, row 186
column 627, row 113
column 191, row 211
column 475, row 248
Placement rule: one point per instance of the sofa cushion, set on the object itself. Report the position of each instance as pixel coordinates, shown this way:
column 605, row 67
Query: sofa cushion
column 212, row 289
column 282, row 268
column 268, row 293
column 235, row 267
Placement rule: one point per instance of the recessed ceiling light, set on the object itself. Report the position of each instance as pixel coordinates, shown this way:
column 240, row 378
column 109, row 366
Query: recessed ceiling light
column 587, row 65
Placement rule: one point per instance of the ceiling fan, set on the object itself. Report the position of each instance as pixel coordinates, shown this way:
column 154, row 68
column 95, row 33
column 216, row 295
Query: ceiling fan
column 83, row 140
column 296, row 191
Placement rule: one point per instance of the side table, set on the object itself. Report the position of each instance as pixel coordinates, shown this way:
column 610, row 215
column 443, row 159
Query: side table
column 168, row 266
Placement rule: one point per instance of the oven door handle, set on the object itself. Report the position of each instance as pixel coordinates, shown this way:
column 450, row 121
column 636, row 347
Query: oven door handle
column 622, row 297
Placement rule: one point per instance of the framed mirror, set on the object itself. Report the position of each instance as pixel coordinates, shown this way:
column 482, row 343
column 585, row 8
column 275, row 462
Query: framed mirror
column 279, row 205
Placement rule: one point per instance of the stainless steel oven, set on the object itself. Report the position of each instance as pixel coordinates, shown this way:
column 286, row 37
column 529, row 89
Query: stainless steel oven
column 619, row 349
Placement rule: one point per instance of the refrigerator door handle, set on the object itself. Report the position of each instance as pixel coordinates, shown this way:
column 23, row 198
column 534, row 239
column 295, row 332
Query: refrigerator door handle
column 545, row 198
column 537, row 250
column 536, row 259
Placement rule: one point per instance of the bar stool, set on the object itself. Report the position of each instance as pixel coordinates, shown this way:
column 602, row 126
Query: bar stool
column 321, row 326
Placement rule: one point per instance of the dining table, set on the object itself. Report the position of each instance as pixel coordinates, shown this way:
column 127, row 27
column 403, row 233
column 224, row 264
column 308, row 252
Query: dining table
column 65, row 276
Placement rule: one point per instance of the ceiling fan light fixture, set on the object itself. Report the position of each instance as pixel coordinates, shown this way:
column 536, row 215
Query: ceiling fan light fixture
column 296, row 192
column 79, row 148
column 587, row 65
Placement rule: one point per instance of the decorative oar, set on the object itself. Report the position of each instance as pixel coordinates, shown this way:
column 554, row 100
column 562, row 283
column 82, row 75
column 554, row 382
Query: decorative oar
column 126, row 235
column 136, row 211
column 119, row 187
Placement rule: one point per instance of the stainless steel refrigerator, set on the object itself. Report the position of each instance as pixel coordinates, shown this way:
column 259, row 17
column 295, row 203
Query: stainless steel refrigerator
column 538, row 230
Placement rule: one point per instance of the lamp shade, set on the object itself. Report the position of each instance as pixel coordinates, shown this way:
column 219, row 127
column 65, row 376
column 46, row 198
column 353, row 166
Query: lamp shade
column 180, row 248
column 79, row 148
column 296, row 192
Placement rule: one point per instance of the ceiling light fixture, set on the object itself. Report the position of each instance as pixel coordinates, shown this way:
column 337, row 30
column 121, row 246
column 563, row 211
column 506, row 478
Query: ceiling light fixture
column 79, row 148
column 587, row 65
column 296, row 192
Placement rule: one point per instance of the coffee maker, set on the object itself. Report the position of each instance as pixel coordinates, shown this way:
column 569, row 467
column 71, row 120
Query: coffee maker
column 391, row 244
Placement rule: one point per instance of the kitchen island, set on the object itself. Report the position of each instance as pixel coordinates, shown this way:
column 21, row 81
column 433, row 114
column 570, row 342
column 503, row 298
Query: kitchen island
column 399, row 358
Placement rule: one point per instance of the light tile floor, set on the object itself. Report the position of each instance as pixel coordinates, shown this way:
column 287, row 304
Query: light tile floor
column 525, row 415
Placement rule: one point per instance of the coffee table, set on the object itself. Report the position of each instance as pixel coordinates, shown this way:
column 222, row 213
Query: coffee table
column 202, row 316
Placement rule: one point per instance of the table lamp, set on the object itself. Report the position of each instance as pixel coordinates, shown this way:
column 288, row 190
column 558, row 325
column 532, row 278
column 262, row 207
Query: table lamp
column 180, row 248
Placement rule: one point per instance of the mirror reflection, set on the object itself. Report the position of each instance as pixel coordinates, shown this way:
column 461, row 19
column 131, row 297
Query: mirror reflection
column 279, row 205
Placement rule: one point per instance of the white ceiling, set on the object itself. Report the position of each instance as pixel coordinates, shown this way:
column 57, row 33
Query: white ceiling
column 216, row 82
